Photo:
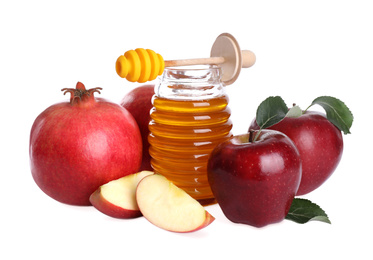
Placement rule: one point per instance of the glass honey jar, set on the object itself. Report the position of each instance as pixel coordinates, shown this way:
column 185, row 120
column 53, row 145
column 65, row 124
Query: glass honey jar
column 190, row 116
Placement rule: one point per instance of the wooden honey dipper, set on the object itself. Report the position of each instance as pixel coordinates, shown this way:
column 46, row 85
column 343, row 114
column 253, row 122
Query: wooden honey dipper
column 142, row 65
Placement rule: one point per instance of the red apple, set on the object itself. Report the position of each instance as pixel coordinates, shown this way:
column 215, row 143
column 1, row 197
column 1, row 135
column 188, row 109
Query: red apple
column 169, row 207
column 255, row 182
column 77, row 146
column 139, row 102
column 117, row 198
column 320, row 145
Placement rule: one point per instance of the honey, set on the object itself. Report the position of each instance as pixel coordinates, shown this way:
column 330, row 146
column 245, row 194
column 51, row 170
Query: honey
column 190, row 116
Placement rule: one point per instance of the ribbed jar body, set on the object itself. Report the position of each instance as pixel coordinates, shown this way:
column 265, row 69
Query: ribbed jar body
column 190, row 116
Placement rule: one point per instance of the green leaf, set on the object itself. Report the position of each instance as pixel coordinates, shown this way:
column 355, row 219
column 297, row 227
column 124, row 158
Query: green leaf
column 271, row 111
column 302, row 210
column 336, row 112
column 295, row 111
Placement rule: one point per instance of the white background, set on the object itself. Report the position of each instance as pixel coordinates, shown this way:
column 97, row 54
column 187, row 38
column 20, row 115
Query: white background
column 304, row 49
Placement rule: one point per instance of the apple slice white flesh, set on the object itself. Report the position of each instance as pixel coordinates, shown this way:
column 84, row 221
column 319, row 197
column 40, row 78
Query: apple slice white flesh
column 169, row 207
column 117, row 198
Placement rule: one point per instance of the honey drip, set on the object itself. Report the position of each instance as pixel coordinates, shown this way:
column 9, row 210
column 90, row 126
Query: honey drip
column 182, row 135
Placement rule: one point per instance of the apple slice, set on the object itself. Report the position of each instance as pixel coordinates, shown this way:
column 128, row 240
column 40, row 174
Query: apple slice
column 169, row 207
column 117, row 198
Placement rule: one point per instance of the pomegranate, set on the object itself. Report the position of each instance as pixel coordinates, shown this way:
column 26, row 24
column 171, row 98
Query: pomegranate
column 77, row 146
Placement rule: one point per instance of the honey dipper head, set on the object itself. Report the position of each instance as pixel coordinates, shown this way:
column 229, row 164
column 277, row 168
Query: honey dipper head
column 139, row 65
column 121, row 67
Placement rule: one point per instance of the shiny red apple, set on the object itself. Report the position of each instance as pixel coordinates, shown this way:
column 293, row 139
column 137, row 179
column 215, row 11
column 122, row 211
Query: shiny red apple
column 139, row 102
column 320, row 145
column 255, row 182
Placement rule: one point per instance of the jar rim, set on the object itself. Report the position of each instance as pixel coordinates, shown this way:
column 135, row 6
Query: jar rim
column 190, row 82
column 192, row 73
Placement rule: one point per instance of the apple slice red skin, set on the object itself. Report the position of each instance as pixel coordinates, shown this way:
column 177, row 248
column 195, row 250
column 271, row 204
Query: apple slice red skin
column 110, row 209
column 255, row 183
column 208, row 220
column 320, row 145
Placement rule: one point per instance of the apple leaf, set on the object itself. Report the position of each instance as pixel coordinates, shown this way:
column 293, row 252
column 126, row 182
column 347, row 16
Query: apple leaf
column 336, row 112
column 302, row 210
column 271, row 111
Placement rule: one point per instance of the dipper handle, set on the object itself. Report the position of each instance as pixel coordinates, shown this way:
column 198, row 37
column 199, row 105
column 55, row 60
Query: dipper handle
column 248, row 60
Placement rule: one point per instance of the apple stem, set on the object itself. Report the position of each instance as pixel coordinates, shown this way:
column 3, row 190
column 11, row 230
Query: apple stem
column 250, row 136
column 256, row 136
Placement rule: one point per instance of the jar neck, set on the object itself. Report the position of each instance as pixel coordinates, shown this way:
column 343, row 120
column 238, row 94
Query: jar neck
column 192, row 83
